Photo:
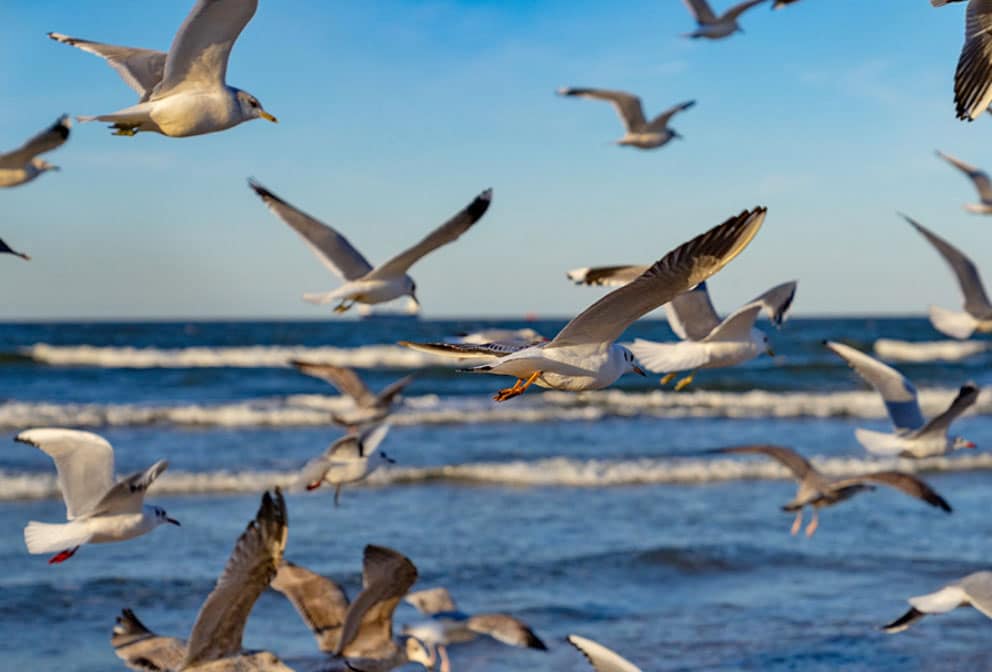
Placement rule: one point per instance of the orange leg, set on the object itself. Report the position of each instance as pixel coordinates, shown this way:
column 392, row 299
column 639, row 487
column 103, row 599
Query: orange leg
column 797, row 523
column 813, row 524
column 518, row 388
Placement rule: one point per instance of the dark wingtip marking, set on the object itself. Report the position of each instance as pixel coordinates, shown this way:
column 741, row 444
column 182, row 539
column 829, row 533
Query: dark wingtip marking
column 903, row 621
column 534, row 642
column 262, row 191
column 478, row 207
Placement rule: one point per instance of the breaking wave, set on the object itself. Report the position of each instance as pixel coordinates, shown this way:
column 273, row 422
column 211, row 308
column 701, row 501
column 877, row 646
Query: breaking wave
column 928, row 351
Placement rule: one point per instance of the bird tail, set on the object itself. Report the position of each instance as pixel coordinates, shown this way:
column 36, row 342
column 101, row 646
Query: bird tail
column 83, row 118
column 952, row 323
column 879, row 443
column 49, row 538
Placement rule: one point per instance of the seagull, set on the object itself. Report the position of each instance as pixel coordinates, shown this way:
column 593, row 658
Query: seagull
column 707, row 342
column 973, row 79
column 601, row 658
column 977, row 315
column 98, row 509
column 447, row 625
column 584, row 354
column 364, row 284
column 714, row 27
column 7, row 249
column 639, row 132
column 22, row 165
column 350, row 459
column 818, row 491
column 184, row 92
column 914, row 437
column 981, row 181
column 973, row 590
column 369, row 407
column 214, row 644
column 359, row 634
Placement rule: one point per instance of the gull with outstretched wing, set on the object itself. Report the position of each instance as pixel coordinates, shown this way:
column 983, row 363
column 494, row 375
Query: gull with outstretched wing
column 638, row 131
column 22, row 165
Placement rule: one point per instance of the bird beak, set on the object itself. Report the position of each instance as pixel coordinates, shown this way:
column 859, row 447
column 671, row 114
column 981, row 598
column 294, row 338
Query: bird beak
column 268, row 117
column 415, row 299
column 54, row 168
column 970, row 444
column 387, row 458
column 639, row 371
column 771, row 353
column 173, row 521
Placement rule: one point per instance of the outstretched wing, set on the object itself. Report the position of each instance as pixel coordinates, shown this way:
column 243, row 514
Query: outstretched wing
column 691, row 314
column 790, row 459
column 607, row 276
column 389, row 393
column 975, row 300
column 321, row 603
column 973, row 78
column 342, row 378
column 143, row 650
column 978, row 177
column 700, row 10
column 466, row 350
column 49, row 139
column 448, row 232
column 627, row 105
column 737, row 326
column 506, row 629
column 141, row 69
column 906, row 483
column 777, row 301
column 660, row 123
column 432, row 601
column 966, row 397
column 128, row 494
column 740, row 8
column 601, row 658
column 684, row 267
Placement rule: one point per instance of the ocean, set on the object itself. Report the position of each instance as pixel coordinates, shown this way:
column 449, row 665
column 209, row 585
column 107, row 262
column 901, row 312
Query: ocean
column 597, row 514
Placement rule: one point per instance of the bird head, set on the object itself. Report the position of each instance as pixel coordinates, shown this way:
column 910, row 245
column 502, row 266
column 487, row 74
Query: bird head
column 251, row 108
column 630, row 362
column 161, row 517
column 418, row 652
column 960, row 442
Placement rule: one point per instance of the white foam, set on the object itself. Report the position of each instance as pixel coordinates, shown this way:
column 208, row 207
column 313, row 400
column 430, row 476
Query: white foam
column 928, row 351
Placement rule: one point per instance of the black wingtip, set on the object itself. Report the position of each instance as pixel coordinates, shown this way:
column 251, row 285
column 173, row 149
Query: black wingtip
column 903, row 621
column 477, row 208
column 257, row 187
column 534, row 642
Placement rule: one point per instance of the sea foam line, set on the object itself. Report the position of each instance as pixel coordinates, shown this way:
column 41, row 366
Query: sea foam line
column 928, row 351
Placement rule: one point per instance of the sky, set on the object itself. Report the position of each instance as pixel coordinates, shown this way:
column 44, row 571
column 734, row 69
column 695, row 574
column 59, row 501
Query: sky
column 394, row 114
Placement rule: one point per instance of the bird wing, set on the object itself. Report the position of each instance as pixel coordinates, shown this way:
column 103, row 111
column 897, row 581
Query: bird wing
column 684, row 267
column 128, row 494
column 737, row 326
column 691, row 314
column 978, row 588
column 738, row 9
column 342, row 378
column 7, row 249
column 979, row 177
column 975, row 300
column 371, row 438
column 897, row 392
column 627, row 105
column 141, row 69
column 965, row 398
column 49, row 139
column 607, row 276
column 368, row 626
column 389, row 393
column 907, row 483
column 670, row 357
column 790, row 459
column 143, row 650
column 467, row 350
column 448, row 232
column 506, row 629
column 700, row 10
column 432, row 601
column 321, row 603
column 777, row 301
column 254, row 561
column 973, row 77
column 198, row 56
column 332, row 249
column 84, row 462
column 660, row 123
column 601, row 658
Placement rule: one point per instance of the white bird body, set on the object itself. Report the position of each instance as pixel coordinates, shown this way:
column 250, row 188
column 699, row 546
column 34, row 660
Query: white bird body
column 570, row 368
column 367, row 291
column 193, row 113
column 50, row 538
column 350, row 459
column 12, row 177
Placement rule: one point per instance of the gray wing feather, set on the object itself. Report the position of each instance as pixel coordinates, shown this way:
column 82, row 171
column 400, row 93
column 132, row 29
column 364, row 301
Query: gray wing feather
column 506, row 629
column 389, row 393
column 907, row 483
column 128, row 494
column 141, row 69
column 321, row 603
column 739, row 9
column 466, row 350
column 143, row 650
column 777, row 301
column 978, row 177
column 607, row 276
column 700, row 10
column 966, row 397
column 50, row 138
column 432, row 601
column 973, row 78
column 790, row 459
column 343, row 378
column 627, row 105
column 691, row 314
column 976, row 302
column 660, row 123
column 978, row 588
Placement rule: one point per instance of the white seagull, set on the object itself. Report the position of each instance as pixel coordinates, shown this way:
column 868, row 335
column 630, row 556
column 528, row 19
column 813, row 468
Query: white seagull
column 638, row 132
column 22, row 165
column 715, row 27
column 973, row 78
column 977, row 314
column 601, row 658
column 818, row 491
column 359, row 635
column 448, row 625
column 707, row 342
column 183, row 92
column 363, row 283
column 98, row 509
column 350, row 459
column 584, row 355
column 214, row 644
column 7, row 249
column 981, row 181
column 914, row 437
column 369, row 406
column 974, row 590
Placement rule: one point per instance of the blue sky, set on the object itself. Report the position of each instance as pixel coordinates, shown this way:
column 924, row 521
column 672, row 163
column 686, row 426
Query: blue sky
column 394, row 114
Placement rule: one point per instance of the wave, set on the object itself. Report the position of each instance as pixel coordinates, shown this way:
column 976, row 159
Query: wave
column 928, row 351
column 310, row 410
column 547, row 472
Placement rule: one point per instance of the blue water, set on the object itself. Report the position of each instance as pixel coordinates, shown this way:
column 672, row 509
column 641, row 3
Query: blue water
column 594, row 515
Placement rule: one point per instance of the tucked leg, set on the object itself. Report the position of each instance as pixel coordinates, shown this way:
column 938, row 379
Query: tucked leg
column 63, row 556
column 667, row 378
column 337, row 495
column 797, row 523
column 518, row 388
column 813, row 524
column 343, row 306
column 685, row 382
column 127, row 130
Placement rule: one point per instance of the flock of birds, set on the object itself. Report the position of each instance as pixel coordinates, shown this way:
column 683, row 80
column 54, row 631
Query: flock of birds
column 183, row 92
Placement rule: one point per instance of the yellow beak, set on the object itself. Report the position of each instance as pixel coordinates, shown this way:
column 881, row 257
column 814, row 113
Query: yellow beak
column 268, row 117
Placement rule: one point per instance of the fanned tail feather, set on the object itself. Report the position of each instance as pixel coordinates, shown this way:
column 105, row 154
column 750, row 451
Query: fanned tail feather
column 48, row 538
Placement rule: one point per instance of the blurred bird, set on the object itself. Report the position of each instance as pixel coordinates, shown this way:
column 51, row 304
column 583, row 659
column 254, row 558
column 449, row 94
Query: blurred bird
column 350, row 459
column 981, row 181
column 974, row 590
column 369, row 407
column 715, row 27
column 7, row 249
column 638, row 132
column 22, row 165
column 973, row 78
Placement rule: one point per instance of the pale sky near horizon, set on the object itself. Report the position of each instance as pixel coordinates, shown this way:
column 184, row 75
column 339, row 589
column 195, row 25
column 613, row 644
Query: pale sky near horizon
column 395, row 114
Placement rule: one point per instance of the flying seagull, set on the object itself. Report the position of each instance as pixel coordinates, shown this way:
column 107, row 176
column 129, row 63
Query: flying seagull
column 715, row 27
column 22, row 165
column 973, row 78
column 7, row 249
column 358, row 634
column 977, row 314
column 363, row 283
column 914, row 437
column 974, row 590
column 447, row 625
column 350, row 459
column 369, row 406
column 214, row 644
column 982, row 184
column 817, row 491
column 638, row 132
column 99, row 510
column 584, row 355
column 183, row 92
column 601, row 658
